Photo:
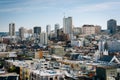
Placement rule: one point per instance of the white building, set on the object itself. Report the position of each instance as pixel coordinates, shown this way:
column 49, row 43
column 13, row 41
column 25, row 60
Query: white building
column 46, row 75
column 43, row 38
column 12, row 29
column 113, row 45
column 77, row 43
column 36, row 69
column 101, row 45
column 7, row 54
column 96, row 55
column 68, row 26
column 3, row 47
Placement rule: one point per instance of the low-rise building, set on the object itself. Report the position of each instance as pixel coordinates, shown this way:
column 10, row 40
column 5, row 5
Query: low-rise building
column 106, row 73
column 113, row 45
column 77, row 30
column 46, row 75
column 9, row 76
column 58, row 50
column 77, row 43
column 2, row 47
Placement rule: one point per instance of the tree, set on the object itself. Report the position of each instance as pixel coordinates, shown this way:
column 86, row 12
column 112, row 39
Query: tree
column 1, row 64
column 12, row 68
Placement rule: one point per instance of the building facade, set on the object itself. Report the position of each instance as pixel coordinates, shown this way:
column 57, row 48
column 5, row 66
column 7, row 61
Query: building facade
column 12, row 29
column 22, row 33
column 91, row 29
column 43, row 38
column 68, row 26
column 37, row 30
column 57, row 26
column 77, row 31
column 112, row 25
column 106, row 73
column 48, row 29
column 58, row 50
column 113, row 46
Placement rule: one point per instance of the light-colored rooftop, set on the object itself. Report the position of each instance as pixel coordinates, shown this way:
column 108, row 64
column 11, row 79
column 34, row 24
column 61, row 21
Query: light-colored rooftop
column 47, row 72
column 8, row 74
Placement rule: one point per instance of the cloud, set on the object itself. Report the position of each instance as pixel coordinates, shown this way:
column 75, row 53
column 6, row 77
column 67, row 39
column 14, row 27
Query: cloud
column 24, row 9
column 11, row 10
column 96, row 7
column 23, row 6
column 32, row 5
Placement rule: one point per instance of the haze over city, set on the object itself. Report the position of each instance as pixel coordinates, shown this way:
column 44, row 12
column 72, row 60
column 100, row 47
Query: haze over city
column 30, row 13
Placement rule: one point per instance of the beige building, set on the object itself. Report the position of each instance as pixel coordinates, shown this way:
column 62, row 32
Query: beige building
column 59, row 50
column 22, row 32
column 91, row 29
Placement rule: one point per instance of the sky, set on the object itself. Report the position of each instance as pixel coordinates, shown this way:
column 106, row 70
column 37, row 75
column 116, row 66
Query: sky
column 31, row 13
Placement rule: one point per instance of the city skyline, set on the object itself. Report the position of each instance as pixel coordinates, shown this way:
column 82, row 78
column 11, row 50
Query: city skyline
column 31, row 13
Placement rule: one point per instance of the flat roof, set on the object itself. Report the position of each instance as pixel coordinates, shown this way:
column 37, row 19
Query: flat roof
column 8, row 74
column 47, row 72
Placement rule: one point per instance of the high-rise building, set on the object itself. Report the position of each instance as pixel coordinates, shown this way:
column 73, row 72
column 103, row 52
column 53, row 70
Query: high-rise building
column 43, row 38
column 112, row 25
column 68, row 27
column 37, row 30
column 12, row 29
column 57, row 26
column 22, row 33
column 48, row 29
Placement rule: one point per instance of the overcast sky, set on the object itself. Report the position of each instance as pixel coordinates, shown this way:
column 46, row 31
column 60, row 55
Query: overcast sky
column 30, row 13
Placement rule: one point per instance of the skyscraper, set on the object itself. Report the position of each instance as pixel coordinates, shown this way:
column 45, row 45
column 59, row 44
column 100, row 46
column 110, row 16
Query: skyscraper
column 37, row 30
column 43, row 38
column 22, row 33
column 12, row 29
column 112, row 25
column 57, row 26
column 68, row 26
column 48, row 29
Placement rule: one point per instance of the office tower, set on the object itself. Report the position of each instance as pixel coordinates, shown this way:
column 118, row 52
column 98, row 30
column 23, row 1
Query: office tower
column 112, row 26
column 57, row 26
column 43, row 38
column 12, row 29
column 91, row 29
column 68, row 26
column 22, row 33
column 48, row 29
column 37, row 30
